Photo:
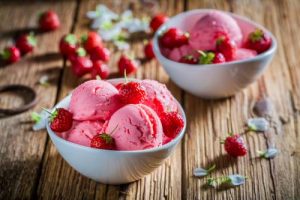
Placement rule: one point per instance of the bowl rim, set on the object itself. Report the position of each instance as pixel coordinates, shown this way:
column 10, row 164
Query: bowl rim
column 151, row 150
column 161, row 29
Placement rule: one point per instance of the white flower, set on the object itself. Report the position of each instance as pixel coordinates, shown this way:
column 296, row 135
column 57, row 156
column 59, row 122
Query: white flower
column 258, row 124
column 121, row 45
column 269, row 153
column 40, row 120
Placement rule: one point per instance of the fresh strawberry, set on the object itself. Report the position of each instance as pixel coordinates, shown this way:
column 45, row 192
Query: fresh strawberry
column 91, row 40
column 81, row 64
column 100, row 69
column 227, row 47
column 132, row 93
column 258, row 41
column 127, row 64
column 189, row 59
column 148, row 50
column 68, row 45
column 100, row 53
column 157, row 21
column 235, row 145
column 172, row 123
column 61, row 120
column 49, row 21
column 103, row 141
column 219, row 58
column 26, row 43
column 10, row 54
column 173, row 38
column 119, row 86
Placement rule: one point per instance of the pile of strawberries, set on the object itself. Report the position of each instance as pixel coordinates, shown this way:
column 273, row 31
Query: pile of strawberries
column 25, row 43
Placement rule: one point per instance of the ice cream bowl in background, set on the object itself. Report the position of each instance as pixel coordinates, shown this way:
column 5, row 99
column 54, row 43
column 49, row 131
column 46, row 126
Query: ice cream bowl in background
column 112, row 166
column 214, row 80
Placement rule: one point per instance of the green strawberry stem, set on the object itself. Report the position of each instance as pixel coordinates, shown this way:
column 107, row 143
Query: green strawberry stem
column 212, row 168
column 5, row 54
column 32, row 39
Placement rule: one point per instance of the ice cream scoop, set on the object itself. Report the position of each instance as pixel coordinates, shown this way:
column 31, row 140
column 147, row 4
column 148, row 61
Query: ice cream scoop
column 82, row 132
column 158, row 93
column 135, row 127
column 94, row 100
column 244, row 54
column 210, row 26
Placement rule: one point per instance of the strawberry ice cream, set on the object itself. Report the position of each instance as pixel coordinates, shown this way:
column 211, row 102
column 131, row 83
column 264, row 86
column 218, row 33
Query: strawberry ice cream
column 208, row 28
column 244, row 53
column 94, row 100
column 157, row 93
column 135, row 127
column 82, row 132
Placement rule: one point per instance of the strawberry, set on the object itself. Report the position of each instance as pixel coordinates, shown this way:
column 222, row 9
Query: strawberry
column 49, row 21
column 227, row 47
column 235, row 145
column 91, row 40
column 26, row 43
column 100, row 53
column 157, row 21
column 172, row 123
column 68, row 45
column 103, row 141
column 148, row 50
column 81, row 64
column 219, row 58
column 99, row 69
column 189, row 59
column 10, row 54
column 132, row 93
column 172, row 38
column 127, row 64
column 258, row 41
column 61, row 120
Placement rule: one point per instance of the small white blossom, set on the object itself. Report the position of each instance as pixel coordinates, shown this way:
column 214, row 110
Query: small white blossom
column 258, row 124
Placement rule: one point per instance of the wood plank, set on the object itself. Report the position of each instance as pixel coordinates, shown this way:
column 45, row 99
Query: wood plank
column 165, row 182
column 21, row 149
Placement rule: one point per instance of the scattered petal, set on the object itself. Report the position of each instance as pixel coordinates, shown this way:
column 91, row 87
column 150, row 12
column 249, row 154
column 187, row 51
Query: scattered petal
column 236, row 179
column 44, row 80
column 258, row 124
column 230, row 180
column 121, row 45
column 200, row 172
column 269, row 153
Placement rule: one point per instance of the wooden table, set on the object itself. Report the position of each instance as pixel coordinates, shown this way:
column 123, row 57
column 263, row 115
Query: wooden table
column 31, row 168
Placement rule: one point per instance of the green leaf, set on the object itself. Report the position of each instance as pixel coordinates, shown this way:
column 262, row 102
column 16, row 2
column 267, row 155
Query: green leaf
column 36, row 117
column 71, row 39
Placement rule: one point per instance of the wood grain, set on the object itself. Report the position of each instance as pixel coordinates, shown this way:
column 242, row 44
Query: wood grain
column 21, row 149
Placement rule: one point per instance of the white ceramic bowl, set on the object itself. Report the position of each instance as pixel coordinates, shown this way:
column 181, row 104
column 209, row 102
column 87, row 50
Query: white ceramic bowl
column 112, row 167
column 215, row 80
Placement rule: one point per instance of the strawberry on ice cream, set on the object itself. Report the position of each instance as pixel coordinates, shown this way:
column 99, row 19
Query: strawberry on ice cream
column 135, row 127
column 208, row 28
column 82, row 132
column 157, row 94
column 94, row 100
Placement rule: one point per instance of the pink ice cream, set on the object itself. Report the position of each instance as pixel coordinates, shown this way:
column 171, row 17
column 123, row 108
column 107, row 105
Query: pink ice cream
column 94, row 100
column 157, row 93
column 244, row 54
column 208, row 28
column 177, row 53
column 82, row 132
column 135, row 127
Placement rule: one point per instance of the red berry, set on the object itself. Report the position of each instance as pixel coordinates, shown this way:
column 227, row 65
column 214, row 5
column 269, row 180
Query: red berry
column 26, row 43
column 235, row 145
column 189, row 59
column 173, row 38
column 157, row 21
column 127, row 64
column 148, row 51
column 258, row 41
column 172, row 123
column 119, row 85
column 81, row 64
column 227, row 47
column 49, row 21
column 132, row 93
column 103, row 141
column 61, row 120
column 219, row 58
column 91, row 40
column 68, row 45
column 10, row 54
column 100, row 69
column 100, row 53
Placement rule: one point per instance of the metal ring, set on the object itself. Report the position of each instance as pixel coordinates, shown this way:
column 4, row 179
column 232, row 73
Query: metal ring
column 27, row 93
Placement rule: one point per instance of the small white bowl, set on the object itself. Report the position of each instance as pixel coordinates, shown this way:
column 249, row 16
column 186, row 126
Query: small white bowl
column 214, row 80
column 112, row 167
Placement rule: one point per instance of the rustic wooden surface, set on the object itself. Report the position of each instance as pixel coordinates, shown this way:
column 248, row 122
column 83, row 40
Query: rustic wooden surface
column 31, row 168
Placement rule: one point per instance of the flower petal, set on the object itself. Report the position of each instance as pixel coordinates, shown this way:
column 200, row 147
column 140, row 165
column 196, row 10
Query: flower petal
column 258, row 124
